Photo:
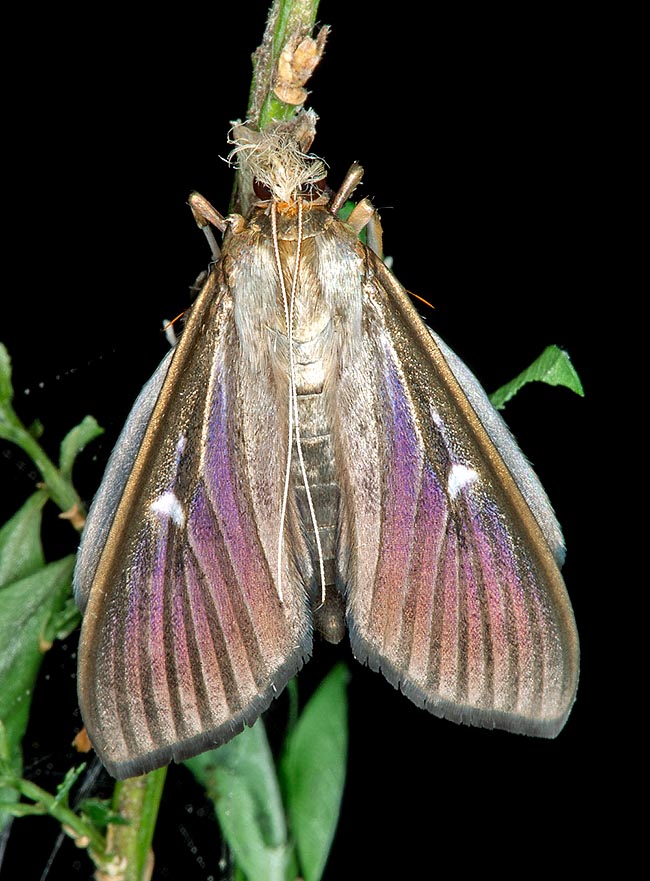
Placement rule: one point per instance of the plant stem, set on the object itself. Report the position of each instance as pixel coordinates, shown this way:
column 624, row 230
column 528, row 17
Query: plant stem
column 84, row 833
column 137, row 800
column 286, row 17
column 58, row 488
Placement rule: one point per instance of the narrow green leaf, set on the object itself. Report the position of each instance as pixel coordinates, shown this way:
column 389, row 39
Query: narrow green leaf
column 21, row 552
column 6, row 390
column 240, row 779
column 11, row 428
column 64, row 788
column 553, row 367
column 21, row 555
column 313, row 772
column 25, row 608
column 74, row 442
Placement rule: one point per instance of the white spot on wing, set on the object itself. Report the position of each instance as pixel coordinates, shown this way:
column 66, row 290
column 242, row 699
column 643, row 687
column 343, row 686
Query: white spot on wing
column 460, row 476
column 168, row 506
column 437, row 419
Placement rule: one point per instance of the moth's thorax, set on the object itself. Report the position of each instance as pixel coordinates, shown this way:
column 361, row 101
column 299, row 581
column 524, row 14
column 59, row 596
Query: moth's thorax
column 314, row 217
column 308, row 246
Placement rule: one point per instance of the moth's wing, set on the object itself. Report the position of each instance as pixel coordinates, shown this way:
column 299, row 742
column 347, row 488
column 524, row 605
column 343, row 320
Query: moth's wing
column 184, row 637
column 102, row 511
column 449, row 548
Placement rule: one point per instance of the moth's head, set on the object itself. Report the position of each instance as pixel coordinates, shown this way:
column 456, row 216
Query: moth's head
column 274, row 164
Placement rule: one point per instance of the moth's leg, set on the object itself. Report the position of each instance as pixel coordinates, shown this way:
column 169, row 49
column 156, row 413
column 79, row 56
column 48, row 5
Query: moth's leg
column 204, row 215
column 349, row 185
column 364, row 215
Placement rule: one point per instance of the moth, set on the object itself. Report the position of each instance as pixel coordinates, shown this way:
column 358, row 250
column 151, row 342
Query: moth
column 310, row 456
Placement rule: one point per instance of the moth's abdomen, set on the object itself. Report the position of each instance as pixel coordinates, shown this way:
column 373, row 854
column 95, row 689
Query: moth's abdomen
column 320, row 467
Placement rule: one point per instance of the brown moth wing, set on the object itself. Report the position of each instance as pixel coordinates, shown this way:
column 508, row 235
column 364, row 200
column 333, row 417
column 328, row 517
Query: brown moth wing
column 453, row 590
column 184, row 637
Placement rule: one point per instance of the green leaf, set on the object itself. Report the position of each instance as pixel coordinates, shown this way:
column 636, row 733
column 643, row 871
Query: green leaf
column 240, row 779
column 64, row 788
column 6, row 389
column 553, row 367
column 100, row 813
column 75, row 441
column 313, row 772
column 26, row 606
column 36, row 429
column 11, row 428
column 21, row 552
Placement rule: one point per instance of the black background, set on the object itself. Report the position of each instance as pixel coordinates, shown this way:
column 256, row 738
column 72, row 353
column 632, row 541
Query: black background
column 478, row 132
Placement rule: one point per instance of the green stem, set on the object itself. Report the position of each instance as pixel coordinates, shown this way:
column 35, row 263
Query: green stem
column 58, row 485
column 58, row 488
column 136, row 800
column 72, row 823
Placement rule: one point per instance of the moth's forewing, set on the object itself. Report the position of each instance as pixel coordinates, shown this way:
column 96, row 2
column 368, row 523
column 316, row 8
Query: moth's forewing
column 453, row 590
column 184, row 637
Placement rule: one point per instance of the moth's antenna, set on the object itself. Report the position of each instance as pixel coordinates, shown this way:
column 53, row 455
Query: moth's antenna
column 287, row 319
column 293, row 404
